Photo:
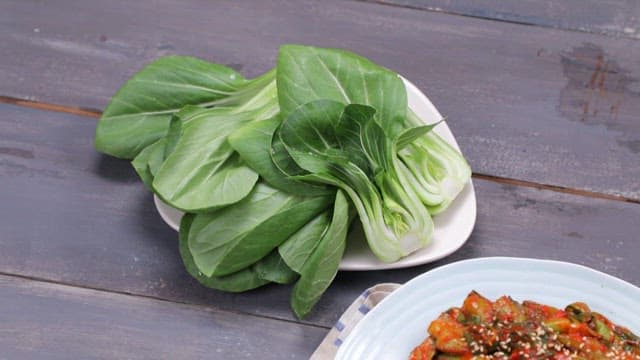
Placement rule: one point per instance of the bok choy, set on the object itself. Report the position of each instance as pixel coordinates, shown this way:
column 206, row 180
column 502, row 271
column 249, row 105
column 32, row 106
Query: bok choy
column 436, row 171
column 271, row 171
column 345, row 147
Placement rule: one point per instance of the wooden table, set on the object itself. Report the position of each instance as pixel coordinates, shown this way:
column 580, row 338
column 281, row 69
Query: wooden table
column 543, row 96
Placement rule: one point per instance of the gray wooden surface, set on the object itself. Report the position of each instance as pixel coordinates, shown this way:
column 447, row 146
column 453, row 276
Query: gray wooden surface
column 49, row 321
column 609, row 17
column 106, row 232
column 513, row 94
column 548, row 118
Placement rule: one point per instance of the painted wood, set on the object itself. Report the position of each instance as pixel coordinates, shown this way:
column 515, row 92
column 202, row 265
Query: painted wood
column 609, row 17
column 531, row 103
column 71, row 215
column 50, row 321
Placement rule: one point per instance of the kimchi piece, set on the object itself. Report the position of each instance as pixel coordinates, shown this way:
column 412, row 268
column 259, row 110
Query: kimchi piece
column 507, row 330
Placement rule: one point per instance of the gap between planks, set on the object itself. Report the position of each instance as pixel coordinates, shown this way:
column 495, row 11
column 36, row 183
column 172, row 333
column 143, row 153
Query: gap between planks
column 555, row 188
column 497, row 179
column 50, row 107
column 155, row 298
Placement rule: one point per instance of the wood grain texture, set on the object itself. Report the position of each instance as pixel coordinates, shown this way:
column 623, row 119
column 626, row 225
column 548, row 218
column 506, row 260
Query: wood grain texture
column 609, row 17
column 542, row 105
column 50, row 321
column 71, row 215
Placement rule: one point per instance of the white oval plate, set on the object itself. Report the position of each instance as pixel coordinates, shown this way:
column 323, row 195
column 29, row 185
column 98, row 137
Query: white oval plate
column 451, row 227
column 399, row 322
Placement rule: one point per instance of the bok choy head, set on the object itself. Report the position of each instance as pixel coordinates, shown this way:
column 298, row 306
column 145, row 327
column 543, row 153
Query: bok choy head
column 344, row 146
column 436, row 171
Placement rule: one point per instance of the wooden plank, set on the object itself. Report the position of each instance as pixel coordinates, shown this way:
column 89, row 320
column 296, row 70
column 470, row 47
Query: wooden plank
column 50, row 321
column 543, row 105
column 609, row 17
column 71, row 215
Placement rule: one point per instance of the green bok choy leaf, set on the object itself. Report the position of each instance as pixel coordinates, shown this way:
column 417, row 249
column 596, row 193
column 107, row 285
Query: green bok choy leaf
column 140, row 112
column 321, row 266
column 242, row 280
column 234, row 237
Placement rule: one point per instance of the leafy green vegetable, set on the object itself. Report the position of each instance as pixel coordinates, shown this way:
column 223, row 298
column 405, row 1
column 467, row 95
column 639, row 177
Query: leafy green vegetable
column 149, row 161
column 242, row 280
column 320, row 269
column 264, row 168
column 238, row 235
column 175, row 131
column 140, row 112
column 253, row 143
column 436, row 171
column 203, row 172
column 273, row 268
column 412, row 134
column 298, row 247
column 307, row 73
column 344, row 146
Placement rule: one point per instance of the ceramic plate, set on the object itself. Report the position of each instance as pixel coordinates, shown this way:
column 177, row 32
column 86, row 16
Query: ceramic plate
column 399, row 322
column 451, row 228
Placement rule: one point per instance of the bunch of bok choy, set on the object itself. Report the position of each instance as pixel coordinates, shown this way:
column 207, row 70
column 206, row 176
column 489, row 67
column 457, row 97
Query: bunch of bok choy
column 271, row 171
